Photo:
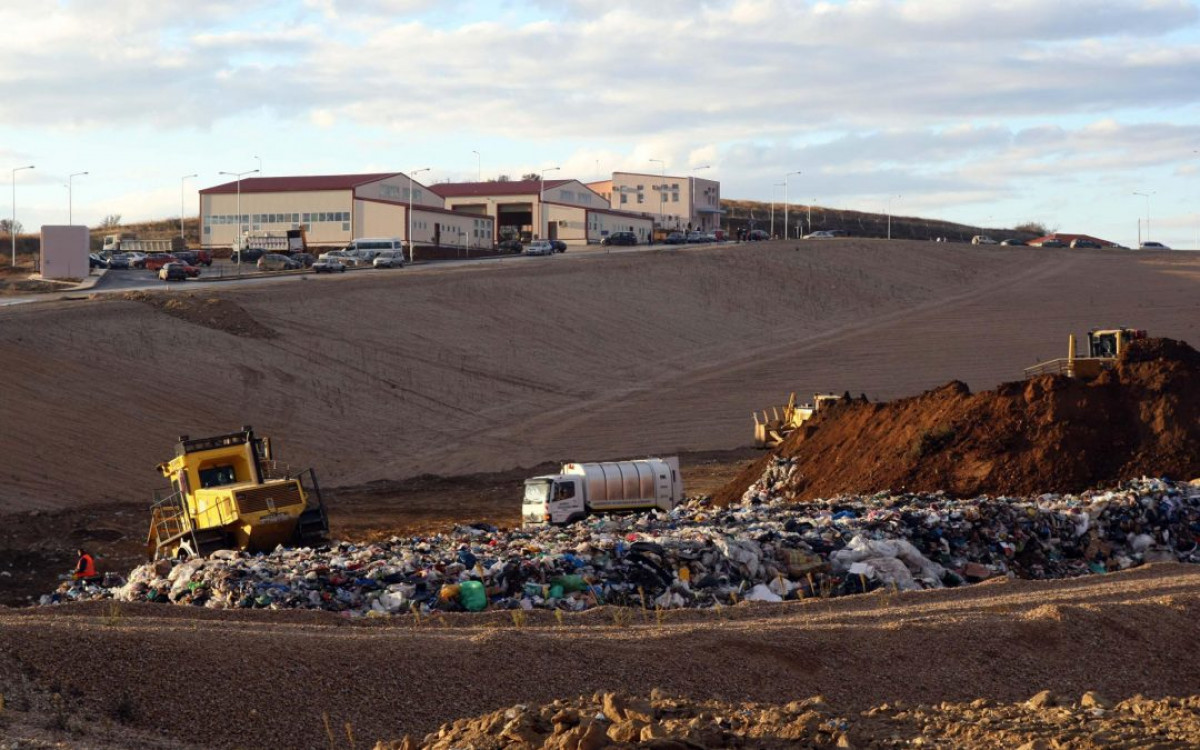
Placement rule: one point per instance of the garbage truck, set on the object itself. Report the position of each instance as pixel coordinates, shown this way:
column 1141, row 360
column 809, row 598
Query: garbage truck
column 581, row 489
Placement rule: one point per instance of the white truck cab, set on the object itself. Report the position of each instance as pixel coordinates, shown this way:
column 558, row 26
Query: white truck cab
column 581, row 489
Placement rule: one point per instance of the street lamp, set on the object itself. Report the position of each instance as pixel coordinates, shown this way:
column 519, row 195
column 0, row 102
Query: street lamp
column 662, row 172
column 773, row 186
column 785, row 202
column 412, row 246
column 692, row 193
column 181, row 208
column 542, row 200
column 12, row 228
column 238, row 237
column 1147, row 197
column 259, row 160
column 889, row 213
column 478, row 166
column 70, row 212
column 810, row 205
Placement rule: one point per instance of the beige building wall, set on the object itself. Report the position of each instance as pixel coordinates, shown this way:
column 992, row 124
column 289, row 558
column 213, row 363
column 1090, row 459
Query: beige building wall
column 602, row 223
column 325, row 214
column 395, row 190
column 451, row 229
column 373, row 219
column 672, row 201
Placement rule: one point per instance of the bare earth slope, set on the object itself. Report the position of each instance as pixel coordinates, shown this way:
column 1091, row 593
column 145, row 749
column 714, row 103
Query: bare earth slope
column 382, row 376
column 1049, row 434
column 177, row 671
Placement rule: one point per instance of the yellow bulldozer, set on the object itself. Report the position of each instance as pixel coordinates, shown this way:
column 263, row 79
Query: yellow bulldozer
column 229, row 493
column 1104, row 346
column 772, row 429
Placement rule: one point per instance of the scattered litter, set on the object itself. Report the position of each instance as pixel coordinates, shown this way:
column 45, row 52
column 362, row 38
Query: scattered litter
column 696, row 555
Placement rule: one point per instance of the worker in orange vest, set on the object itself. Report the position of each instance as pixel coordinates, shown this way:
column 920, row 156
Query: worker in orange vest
column 85, row 569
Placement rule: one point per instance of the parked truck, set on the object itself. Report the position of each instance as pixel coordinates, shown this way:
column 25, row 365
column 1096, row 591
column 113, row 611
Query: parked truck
column 581, row 489
column 125, row 242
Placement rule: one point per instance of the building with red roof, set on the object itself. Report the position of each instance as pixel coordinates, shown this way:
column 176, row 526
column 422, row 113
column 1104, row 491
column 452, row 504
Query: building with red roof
column 334, row 209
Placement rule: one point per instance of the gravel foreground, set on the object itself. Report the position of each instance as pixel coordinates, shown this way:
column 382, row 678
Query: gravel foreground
column 108, row 674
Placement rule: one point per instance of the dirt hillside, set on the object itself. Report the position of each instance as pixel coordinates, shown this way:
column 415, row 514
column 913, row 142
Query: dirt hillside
column 1049, row 434
column 460, row 371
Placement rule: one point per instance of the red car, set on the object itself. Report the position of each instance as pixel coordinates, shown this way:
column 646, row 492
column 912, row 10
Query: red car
column 156, row 261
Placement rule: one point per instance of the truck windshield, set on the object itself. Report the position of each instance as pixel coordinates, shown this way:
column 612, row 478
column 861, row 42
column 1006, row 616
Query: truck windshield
column 537, row 492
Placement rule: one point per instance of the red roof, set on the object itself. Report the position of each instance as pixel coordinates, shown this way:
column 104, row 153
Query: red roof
column 509, row 187
column 296, row 184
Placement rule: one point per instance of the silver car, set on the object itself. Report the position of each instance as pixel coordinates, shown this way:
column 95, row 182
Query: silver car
column 389, row 259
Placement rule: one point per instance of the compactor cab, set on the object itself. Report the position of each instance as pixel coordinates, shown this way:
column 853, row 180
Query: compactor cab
column 1104, row 346
column 227, row 492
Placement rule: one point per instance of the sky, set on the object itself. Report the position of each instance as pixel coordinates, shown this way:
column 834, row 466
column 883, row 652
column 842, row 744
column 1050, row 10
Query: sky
column 986, row 113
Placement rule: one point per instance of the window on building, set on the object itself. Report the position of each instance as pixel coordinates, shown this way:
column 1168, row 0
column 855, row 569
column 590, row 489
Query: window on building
column 641, row 198
column 674, row 197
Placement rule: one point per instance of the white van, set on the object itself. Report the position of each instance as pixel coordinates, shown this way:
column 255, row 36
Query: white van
column 366, row 248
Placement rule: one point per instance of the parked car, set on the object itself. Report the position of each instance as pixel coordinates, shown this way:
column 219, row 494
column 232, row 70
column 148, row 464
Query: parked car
column 1012, row 242
column 136, row 260
column 277, row 262
column 676, row 238
column 710, row 237
column 620, row 238
column 982, row 239
column 117, row 261
column 819, row 235
column 329, row 265
column 158, row 260
column 757, row 235
column 249, row 255
column 559, row 246
column 509, row 246
column 95, row 260
column 389, row 259
column 304, row 259
column 1153, row 246
column 1080, row 242
column 695, row 237
column 540, row 247
column 1053, row 243
column 174, row 271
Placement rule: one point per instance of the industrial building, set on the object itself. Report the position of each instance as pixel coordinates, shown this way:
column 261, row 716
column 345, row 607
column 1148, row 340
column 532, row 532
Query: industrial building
column 673, row 202
column 334, row 209
column 566, row 210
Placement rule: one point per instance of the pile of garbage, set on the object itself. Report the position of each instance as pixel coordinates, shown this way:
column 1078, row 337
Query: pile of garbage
column 698, row 555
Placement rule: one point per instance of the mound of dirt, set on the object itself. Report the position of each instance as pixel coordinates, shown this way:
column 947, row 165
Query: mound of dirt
column 1049, row 434
column 626, row 722
column 209, row 311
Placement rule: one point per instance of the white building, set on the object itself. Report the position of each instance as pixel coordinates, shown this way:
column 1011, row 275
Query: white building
column 334, row 209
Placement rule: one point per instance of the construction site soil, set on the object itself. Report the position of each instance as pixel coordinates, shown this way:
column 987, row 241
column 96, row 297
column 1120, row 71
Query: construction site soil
column 424, row 397
column 1049, row 434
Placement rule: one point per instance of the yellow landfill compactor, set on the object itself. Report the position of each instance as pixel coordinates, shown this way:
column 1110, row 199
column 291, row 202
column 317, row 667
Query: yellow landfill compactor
column 228, row 493
column 1104, row 347
column 772, row 429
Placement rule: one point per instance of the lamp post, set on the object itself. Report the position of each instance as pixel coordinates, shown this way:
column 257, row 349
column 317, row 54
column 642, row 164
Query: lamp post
column 662, row 172
column 692, row 194
column 810, row 205
column 785, row 202
column 182, row 180
column 70, row 197
column 889, row 213
column 478, row 166
column 412, row 246
column 238, row 237
column 542, row 200
column 12, row 228
column 1147, row 197
column 259, row 160
column 773, row 186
